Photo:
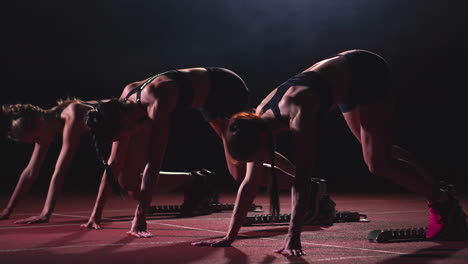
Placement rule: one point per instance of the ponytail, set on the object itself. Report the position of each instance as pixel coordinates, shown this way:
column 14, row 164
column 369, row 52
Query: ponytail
column 110, row 179
column 92, row 120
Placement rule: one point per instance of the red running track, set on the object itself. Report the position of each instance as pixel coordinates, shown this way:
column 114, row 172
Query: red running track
column 62, row 240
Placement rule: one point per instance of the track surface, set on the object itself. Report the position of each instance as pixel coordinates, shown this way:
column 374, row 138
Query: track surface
column 62, row 240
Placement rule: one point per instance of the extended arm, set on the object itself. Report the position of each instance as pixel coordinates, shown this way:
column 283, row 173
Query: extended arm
column 27, row 177
column 304, row 127
column 71, row 138
column 245, row 196
column 116, row 163
column 159, row 112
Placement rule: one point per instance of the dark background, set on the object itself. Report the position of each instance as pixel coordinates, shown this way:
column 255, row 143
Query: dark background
column 90, row 50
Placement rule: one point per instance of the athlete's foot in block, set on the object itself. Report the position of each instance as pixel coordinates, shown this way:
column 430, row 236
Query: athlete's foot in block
column 447, row 221
column 91, row 224
column 33, row 220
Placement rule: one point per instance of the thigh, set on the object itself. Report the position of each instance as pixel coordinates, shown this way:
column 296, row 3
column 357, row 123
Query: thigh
column 353, row 120
column 376, row 129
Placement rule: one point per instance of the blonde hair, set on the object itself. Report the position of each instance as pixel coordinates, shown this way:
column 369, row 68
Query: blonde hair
column 22, row 116
column 15, row 111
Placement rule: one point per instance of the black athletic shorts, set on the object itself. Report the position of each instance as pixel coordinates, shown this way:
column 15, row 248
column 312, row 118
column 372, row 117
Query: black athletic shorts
column 371, row 79
column 228, row 95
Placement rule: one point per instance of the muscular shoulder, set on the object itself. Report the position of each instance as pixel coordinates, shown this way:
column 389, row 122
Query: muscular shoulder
column 75, row 112
column 163, row 93
column 129, row 87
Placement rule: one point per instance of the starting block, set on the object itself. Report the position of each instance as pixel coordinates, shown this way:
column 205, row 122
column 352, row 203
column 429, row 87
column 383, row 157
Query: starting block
column 321, row 211
column 214, row 207
column 401, row 235
column 397, row 235
column 340, row 217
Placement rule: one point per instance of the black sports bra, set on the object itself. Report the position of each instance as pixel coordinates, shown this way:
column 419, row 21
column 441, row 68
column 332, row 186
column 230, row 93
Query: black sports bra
column 311, row 79
column 94, row 106
column 183, row 81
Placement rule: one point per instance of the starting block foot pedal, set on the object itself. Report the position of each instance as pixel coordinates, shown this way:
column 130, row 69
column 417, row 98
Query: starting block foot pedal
column 347, row 216
column 406, row 235
column 397, row 235
column 340, row 217
column 217, row 207
column 266, row 219
column 214, row 207
column 161, row 209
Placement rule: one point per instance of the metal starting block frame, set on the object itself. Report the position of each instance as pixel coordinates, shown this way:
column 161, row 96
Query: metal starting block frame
column 400, row 235
column 340, row 217
column 214, row 207
column 397, row 235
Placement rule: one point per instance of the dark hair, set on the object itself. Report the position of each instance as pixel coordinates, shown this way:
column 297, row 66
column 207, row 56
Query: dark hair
column 105, row 119
column 243, row 138
column 243, row 135
column 104, row 123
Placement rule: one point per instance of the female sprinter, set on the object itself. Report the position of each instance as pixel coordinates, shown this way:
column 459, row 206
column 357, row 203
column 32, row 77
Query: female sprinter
column 218, row 93
column 359, row 82
column 32, row 124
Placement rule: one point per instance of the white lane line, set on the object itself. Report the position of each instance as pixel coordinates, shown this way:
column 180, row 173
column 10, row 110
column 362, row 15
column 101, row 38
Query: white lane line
column 362, row 249
column 91, row 245
column 273, row 239
column 186, row 227
column 117, row 220
column 264, row 238
column 35, row 226
column 72, row 216
column 25, row 226
column 339, row 258
column 82, row 212
column 398, row 212
column 45, row 226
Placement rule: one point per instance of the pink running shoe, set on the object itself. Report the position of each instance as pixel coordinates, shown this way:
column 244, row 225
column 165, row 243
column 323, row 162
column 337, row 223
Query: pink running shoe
column 447, row 221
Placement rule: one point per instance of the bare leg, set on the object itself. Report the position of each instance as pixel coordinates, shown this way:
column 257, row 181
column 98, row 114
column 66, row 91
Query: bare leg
column 135, row 161
column 372, row 125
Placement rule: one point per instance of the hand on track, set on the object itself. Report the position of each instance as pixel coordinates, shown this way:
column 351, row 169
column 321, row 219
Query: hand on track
column 220, row 242
column 33, row 220
column 92, row 224
column 292, row 247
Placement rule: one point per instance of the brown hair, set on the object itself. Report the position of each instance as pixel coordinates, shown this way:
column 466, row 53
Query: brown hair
column 103, row 123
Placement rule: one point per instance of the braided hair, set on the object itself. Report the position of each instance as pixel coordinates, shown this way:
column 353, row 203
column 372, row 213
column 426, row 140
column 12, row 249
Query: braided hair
column 21, row 119
column 21, row 116
column 244, row 138
column 103, row 123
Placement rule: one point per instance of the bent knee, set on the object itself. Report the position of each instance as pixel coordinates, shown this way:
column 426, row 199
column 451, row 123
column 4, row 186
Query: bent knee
column 237, row 171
